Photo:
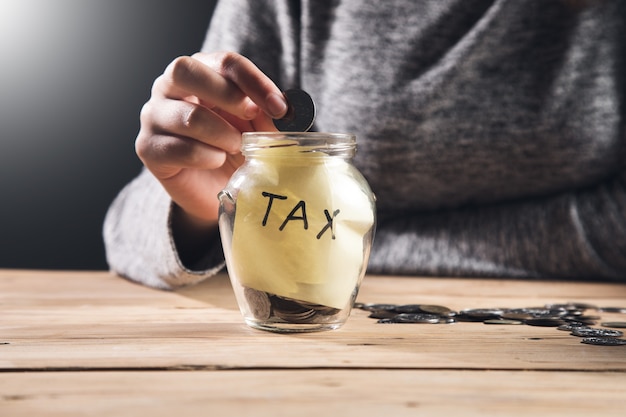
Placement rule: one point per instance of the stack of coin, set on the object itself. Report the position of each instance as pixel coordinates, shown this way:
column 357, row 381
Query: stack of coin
column 270, row 307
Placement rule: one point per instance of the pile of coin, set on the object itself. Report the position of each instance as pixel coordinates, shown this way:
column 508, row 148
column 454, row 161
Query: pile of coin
column 265, row 306
column 570, row 317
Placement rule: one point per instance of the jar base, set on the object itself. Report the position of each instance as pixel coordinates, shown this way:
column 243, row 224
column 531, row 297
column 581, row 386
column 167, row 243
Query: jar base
column 281, row 327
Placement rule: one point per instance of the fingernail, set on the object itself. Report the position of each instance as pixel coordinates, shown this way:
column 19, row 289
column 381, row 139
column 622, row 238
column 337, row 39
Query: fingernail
column 276, row 105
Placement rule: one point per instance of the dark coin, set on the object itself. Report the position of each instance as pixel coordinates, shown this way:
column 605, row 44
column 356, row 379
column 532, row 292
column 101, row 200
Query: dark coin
column 300, row 115
column 603, row 341
column 259, row 303
column 615, row 324
column 291, row 310
column 320, row 309
column 479, row 314
column 435, row 309
column 409, row 308
column 583, row 306
column 545, row 322
column 516, row 316
column 621, row 310
column 378, row 307
column 589, row 332
column 382, row 314
column 503, row 321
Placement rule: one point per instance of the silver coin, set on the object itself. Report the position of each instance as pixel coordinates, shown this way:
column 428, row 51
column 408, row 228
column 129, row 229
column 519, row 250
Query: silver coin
column 378, row 307
column 416, row 318
column 259, row 303
column 503, row 321
column 517, row 316
column 300, row 114
column 571, row 326
column 604, row 341
column 590, row 332
column 447, row 320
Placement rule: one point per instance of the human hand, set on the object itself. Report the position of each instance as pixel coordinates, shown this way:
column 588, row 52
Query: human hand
column 191, row 126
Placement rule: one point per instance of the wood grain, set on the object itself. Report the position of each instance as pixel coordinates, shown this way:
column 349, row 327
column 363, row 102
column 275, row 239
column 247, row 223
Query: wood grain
column 287, row 393
column 94, row 320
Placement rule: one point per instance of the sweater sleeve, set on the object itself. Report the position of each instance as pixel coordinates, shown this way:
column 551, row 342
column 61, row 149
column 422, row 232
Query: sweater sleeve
column 139, row 243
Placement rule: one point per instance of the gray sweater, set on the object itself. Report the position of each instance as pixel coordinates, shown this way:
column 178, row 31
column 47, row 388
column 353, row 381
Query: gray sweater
column 492, row 132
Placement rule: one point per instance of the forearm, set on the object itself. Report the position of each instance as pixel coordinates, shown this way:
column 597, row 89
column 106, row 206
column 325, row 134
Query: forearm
column 140, row 244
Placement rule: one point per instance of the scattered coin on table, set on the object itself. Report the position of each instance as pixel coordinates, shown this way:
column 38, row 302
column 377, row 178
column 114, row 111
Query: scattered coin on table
column 569, row 316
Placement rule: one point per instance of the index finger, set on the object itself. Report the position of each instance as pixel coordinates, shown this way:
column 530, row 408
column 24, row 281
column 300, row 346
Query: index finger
column 248, row 78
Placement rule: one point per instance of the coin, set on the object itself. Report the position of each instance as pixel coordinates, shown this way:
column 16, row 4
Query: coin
column 517, row 316
column 479, row 314
column 545, row 322
column 583, row 306
column 615, row 324
column 603, row 341
column 590, row 332
column 300, row 114
column 259, row 303
column 447, row 320
column 320, row 309
column 503, row 321
column 571, row 326
column 621, row 310
column 569, row 316
column 409, row 308
column 382, row 314
column 291, row 310
column 415, row 318
column 377, row 307
column 435, row 309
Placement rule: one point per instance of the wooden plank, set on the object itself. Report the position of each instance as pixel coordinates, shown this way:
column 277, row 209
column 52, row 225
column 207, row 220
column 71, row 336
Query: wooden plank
column 93, row 320
column 345, row 393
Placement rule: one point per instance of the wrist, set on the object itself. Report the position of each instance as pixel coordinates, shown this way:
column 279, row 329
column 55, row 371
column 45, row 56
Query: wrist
column 193, row 236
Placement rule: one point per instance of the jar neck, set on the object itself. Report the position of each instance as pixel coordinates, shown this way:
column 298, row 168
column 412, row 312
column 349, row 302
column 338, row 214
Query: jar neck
column 298, row 144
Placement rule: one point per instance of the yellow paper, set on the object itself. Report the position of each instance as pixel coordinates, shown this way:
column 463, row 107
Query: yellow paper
column 286, row 217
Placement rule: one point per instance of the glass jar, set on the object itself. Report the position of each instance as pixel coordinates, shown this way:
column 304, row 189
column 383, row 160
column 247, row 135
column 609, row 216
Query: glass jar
column 297, row 221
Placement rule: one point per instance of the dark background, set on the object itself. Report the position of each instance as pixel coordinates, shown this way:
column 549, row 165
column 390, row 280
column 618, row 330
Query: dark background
column 73, row 77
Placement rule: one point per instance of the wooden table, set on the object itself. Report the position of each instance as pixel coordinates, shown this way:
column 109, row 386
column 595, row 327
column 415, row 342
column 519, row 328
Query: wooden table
column 90, row 343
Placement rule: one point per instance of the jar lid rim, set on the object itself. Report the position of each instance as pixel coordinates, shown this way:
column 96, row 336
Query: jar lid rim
column 330, row 143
